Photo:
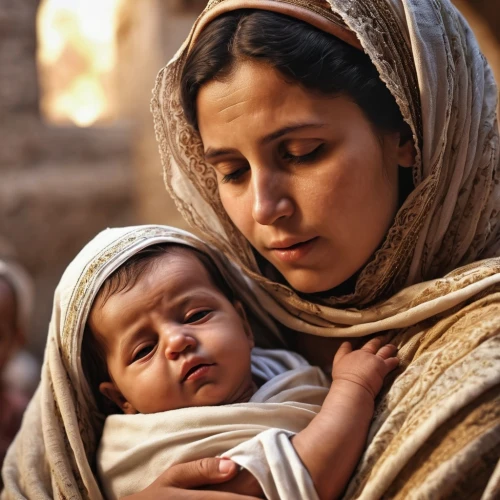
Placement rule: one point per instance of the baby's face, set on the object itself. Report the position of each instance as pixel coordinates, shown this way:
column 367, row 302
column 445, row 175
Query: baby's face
column 174, row 340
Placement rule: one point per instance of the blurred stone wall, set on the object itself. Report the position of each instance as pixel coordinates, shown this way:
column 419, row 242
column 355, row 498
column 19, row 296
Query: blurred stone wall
column 483, row 17
column 489, row 11
column 58, row 186
column 149, row 34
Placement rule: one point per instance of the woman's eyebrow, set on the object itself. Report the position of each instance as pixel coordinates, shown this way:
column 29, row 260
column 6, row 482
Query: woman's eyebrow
column 211, row 153
column 286, row 130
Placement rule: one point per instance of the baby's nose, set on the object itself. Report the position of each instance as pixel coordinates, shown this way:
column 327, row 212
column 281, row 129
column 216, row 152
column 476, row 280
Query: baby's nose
column 177, row 343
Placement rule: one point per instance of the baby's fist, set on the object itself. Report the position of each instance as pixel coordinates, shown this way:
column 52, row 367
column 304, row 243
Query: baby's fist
column 367, row 366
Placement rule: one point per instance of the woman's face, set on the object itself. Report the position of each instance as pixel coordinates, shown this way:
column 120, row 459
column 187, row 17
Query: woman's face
column 304, row 177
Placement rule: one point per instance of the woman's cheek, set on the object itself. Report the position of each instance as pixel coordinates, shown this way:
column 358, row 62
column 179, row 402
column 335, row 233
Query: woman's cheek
column 238, row 207
column 332, row 188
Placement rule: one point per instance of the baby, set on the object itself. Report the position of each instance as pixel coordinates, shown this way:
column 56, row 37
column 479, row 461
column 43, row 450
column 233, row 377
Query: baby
column 165, row 334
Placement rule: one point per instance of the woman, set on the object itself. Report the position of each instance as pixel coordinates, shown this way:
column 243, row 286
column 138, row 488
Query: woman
column 385, row 254
column 283, row 150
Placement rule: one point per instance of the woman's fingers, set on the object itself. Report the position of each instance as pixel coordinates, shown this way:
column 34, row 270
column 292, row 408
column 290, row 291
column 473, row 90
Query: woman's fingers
column 198, row 473
column 244, row 484
column 183, row 480
column 170, row 492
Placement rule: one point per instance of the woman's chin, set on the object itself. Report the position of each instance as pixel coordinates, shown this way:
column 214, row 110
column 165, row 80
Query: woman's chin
column 309, row 282
column 306, row 281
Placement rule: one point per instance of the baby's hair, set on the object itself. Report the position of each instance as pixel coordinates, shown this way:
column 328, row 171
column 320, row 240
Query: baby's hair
column 124, row 278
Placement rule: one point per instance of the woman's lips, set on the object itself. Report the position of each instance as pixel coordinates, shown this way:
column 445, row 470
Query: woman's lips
column 295, row 252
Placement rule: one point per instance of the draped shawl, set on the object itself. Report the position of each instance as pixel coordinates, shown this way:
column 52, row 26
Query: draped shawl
column 53, row 455
column 435, row 281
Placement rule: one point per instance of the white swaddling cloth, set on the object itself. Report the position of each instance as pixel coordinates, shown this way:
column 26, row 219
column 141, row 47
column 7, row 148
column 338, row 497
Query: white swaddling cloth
column 135, row 449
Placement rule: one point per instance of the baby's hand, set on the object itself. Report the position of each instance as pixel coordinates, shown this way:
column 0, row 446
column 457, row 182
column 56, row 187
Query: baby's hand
column 367, row 366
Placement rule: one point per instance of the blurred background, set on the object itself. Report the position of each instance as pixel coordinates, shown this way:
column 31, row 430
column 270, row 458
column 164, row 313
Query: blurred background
column 77, row 147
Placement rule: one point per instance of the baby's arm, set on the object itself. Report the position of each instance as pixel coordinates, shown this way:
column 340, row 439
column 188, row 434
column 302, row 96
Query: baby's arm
column 331, row 445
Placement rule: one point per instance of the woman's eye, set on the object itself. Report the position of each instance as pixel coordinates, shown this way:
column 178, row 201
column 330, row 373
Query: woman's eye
column 234, row 176
column 308, row 157
column 197, row 316
column 143, row 352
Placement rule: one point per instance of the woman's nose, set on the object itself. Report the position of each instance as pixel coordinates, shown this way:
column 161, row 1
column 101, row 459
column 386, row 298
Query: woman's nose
column 271, row 199
column 178, row 342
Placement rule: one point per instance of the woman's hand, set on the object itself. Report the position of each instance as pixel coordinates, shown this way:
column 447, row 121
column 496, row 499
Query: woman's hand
column 244, row 483
column 182, row 480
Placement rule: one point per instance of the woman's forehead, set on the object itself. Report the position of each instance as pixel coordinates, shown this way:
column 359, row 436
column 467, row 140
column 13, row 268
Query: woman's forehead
column 257, row 105
column 246, row 85
column 255, row 92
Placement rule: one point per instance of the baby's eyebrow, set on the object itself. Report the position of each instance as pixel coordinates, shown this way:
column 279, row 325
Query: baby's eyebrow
column 188, row 302
column 128, row 338
column 189, row 296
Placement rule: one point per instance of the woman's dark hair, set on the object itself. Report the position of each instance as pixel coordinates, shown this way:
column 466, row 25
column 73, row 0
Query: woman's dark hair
column 319, row 61
column 94, row 362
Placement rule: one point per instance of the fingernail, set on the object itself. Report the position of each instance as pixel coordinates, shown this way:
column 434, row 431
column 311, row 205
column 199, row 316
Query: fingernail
column 225, row 465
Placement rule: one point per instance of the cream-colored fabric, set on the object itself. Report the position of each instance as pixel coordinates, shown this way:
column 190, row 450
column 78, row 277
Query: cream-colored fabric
column 135, row 449
column 435, row 281
column 54, row 452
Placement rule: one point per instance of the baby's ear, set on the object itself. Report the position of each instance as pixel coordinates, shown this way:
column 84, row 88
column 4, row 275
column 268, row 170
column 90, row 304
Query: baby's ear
column 109, row 390
column 246, row 325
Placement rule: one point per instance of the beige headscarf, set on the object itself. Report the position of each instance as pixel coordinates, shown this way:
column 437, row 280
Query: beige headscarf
column 53, row 453
column 435, row 280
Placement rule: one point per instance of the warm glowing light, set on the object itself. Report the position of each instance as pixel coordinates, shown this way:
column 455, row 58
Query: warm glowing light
column 76, row 56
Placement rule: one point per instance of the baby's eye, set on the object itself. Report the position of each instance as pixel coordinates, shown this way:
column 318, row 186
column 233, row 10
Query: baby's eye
column 197, row 316
column 143, row 352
